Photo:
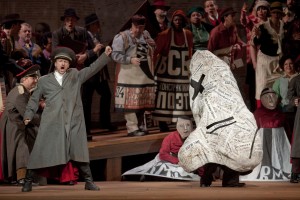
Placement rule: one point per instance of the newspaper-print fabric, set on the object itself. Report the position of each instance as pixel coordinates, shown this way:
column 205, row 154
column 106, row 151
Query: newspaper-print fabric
column 275, row 165
column 160, row 168
column 226, row 129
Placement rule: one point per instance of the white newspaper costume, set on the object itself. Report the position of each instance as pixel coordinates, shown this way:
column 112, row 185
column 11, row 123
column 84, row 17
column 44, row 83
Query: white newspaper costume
column 226, row 129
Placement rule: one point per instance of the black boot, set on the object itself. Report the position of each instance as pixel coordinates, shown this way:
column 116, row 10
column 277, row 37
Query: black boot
column 27, row 187
column 85, row 171
column 294, row 178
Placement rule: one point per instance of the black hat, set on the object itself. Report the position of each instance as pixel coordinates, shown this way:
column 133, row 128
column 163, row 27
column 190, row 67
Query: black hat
column 64, row 53
column 11, row 18
column 90, row 19
column 29, row 68
column 70, row 12
column 226, row 11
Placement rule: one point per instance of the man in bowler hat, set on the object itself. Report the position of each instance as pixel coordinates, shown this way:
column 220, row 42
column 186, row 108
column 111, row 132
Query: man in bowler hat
column 11, row 25
column 99, row 82
column 62, row 124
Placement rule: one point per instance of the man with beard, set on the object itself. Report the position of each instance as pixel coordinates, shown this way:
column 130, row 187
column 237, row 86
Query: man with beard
column 160, row 10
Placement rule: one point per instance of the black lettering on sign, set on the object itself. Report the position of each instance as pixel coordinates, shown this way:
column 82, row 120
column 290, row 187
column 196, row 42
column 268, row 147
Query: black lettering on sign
column 174, row 66
column 178, row 65
column 120, row 92
column 173, row 101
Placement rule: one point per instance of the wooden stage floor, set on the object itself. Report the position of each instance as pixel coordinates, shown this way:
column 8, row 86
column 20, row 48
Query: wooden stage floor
column 156, row 190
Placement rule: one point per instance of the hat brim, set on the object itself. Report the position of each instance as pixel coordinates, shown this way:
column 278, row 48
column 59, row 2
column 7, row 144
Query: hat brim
column 94, row 21
column 62, row 18
column 277, row 10
column 64, row 53
column 31, row 71
column 12, row 21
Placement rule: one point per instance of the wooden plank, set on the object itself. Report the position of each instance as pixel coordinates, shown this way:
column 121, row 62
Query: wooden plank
column 113, row 169
column 171, row 190
column 133, row 146
column 122, row 138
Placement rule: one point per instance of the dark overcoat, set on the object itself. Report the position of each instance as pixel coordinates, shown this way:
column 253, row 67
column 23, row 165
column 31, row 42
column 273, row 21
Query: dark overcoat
column 294, row 92
column 62, row 133
column 17, row 140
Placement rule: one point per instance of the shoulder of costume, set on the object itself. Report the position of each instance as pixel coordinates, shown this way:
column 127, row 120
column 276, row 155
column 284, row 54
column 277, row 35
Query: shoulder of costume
column 21, row 89
column 79, row 28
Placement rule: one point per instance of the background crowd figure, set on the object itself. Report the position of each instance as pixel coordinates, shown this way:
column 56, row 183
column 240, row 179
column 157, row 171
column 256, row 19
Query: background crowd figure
column 152, row 71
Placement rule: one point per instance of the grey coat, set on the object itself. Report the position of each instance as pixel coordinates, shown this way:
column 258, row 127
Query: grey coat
column 294, row 92
column 17, row 140
column 62, row 134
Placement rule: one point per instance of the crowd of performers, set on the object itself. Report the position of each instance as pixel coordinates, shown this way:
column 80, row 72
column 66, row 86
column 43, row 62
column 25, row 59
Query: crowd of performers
column 48, row 80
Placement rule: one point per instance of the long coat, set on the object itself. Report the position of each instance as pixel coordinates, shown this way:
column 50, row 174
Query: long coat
column 294, row 92
column 17, row 140
column 62, row 132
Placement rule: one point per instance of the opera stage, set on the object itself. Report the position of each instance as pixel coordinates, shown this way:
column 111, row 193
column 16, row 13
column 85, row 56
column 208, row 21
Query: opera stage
column 156, row 190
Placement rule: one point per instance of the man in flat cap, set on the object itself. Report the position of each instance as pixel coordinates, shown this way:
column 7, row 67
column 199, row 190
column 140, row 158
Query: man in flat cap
column 77, row 38
column 62, row 123
column 18, row 139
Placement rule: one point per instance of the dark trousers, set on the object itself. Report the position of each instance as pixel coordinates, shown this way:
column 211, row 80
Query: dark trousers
column 296, row 165
column 230, row 177
column 102, row 88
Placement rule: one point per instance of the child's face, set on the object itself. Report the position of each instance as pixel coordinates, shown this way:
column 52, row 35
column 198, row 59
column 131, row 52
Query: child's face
column 184, row 127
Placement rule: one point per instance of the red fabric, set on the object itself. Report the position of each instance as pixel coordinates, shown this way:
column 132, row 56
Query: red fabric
column 62, row 173
column 266, row 118
column 170, row 145
column 221, row 37
column 248, row 22
column 258, row 103
column 163, row 42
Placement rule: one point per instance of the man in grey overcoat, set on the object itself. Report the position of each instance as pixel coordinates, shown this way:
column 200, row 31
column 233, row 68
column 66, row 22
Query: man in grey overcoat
column 18, row 139
column 62, row 135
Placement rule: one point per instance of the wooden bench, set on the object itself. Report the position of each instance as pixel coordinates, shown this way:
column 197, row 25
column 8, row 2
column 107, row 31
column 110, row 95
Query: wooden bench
column 113, row 147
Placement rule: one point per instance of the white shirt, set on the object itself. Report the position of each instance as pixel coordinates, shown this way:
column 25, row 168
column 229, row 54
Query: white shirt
column 59, row 77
